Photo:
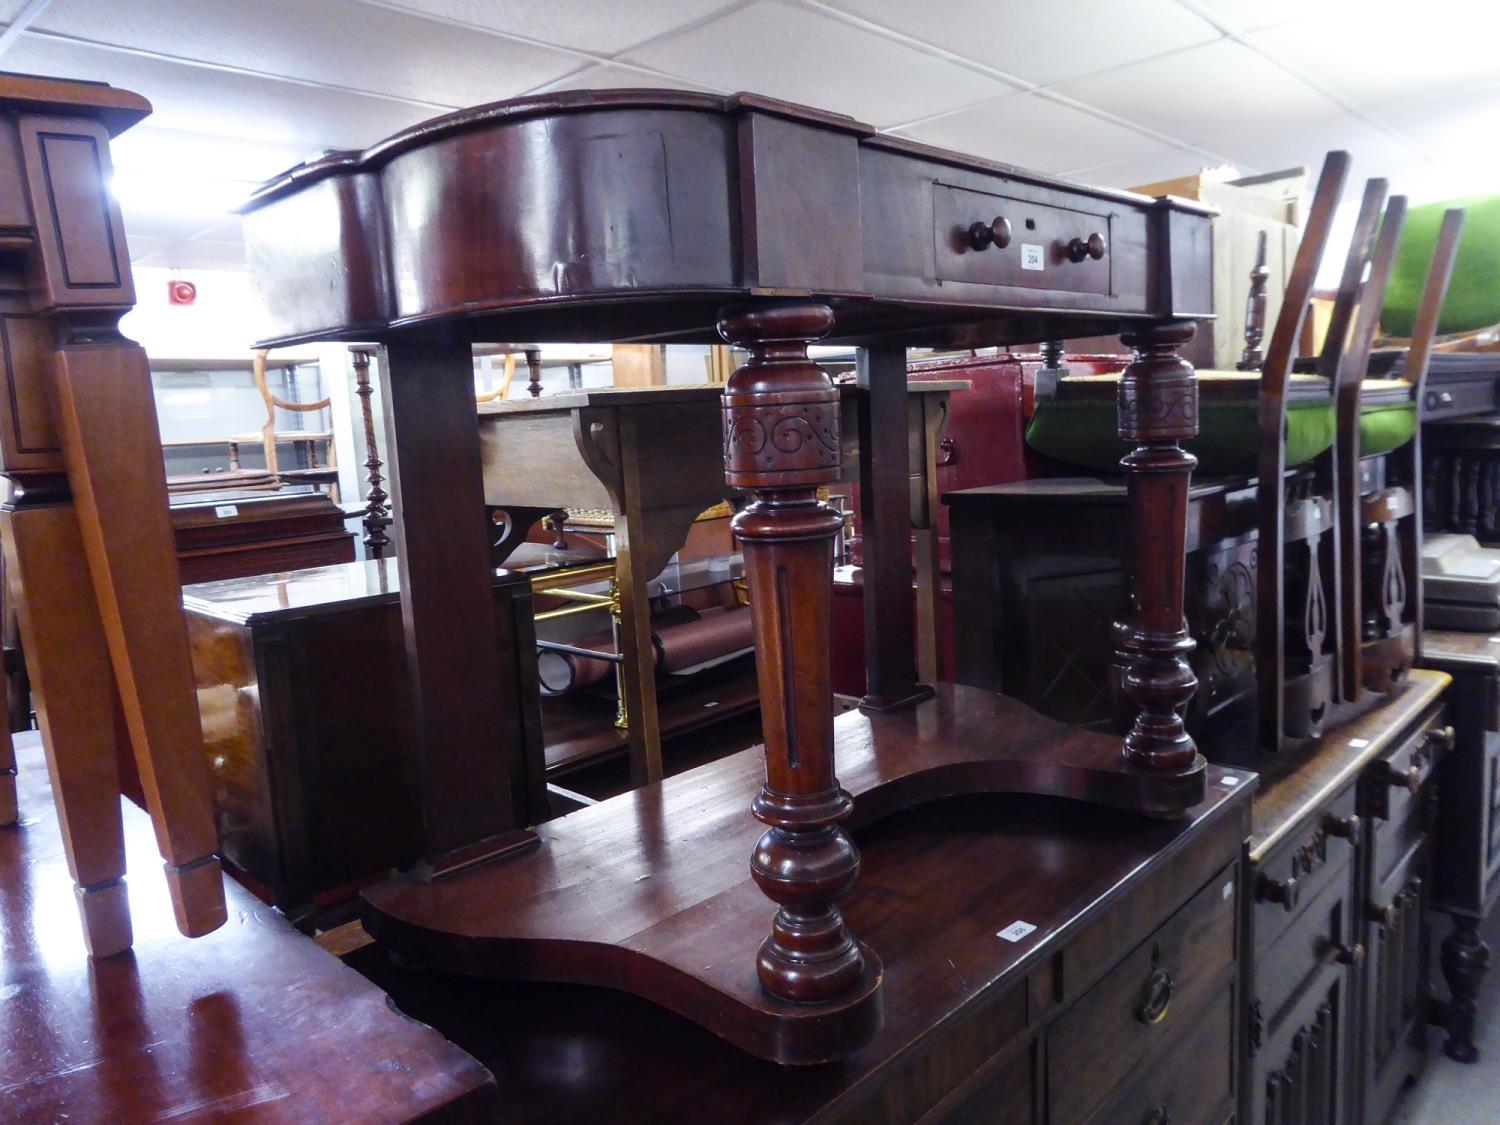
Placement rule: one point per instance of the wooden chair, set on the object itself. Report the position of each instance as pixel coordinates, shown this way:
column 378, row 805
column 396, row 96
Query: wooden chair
column 1380, row 481
column 270, row 437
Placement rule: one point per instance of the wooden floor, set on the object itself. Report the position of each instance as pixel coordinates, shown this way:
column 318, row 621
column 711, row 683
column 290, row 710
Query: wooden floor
column 253, row 1022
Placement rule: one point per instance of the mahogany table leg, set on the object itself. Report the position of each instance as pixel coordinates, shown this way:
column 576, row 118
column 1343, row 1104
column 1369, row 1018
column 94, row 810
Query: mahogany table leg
column 1465, row 960
column 8, row 809
column 885, row 520
column 60, row 623
column 474, row 792
column 107, row 420
column 781, row 441
column 1158, row 406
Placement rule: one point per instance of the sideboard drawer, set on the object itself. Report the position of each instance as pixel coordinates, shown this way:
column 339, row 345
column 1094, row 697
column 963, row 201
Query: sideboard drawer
column 1320, row 933
column 1395, row 795
column 1045, row 247
column 1141, row 1002
column 1192, row 1080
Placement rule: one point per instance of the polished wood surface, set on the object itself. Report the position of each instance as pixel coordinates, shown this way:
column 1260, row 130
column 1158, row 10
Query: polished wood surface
column 79, row 443
column 253, row 1022
column 669, row 860
column 973, row 1022
column 677, row 219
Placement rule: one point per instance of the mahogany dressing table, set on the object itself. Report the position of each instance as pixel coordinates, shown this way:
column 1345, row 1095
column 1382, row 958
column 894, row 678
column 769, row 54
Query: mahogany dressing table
column 685, row 217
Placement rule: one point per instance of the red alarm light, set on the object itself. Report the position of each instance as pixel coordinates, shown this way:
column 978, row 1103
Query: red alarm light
column 181, row 292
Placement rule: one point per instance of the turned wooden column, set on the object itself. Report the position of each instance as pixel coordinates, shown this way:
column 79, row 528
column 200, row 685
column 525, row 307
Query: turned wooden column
column 1158, row 406
column 1465, row 960
column 781, row 441
column 377, row 515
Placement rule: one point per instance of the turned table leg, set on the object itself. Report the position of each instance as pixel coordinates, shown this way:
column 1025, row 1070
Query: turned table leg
column 781, row 441
column 1158, row 406
column 1465, row 961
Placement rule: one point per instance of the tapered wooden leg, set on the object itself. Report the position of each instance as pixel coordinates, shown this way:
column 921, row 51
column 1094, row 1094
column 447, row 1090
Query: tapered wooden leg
column 112, row 450
column 638, row 673
column 70, row 667
column 8, row 810
column 1158, row 407
column 1465, row 960
column 781, row 441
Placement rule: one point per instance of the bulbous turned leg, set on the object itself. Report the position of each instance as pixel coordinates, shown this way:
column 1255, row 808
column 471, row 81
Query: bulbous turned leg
column 1465, row 961
column 781, row 441
column 1158, row 406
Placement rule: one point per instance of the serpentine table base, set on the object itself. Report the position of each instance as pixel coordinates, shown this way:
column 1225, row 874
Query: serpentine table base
column 649, row 893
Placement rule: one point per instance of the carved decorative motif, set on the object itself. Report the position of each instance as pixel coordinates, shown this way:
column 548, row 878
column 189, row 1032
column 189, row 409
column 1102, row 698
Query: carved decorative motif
column 781, row 440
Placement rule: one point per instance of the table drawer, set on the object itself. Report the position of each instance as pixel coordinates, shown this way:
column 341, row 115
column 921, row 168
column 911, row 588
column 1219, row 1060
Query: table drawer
column 1141, row 1003
column 1192, row 1079
column 1046, row 247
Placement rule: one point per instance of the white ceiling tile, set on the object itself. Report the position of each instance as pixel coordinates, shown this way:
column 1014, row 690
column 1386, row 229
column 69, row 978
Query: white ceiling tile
column 608, row 77
column 1375, row 152
column 195, row 256
column 602, row 26
column 775, row 49
column 1447, row 129
column 231, row 230
column 1245, row 15
column 173, row 151
column 1164, row 164
column 1064, row 39
column 1385, row 50
column 340, row 42
column 198, row 100
column 1204, row 93
column 10, row 9
column 1033, row 132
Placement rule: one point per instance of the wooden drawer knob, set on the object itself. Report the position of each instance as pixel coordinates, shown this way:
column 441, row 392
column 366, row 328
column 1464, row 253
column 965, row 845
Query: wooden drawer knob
column 1284, row 891
column 1344, row 827
column 994, row 233
column 1091, row 247
column 1441, row 738
column 1350, row 954
column 1383, row 916
column 1156, row 997
column 1409, row 779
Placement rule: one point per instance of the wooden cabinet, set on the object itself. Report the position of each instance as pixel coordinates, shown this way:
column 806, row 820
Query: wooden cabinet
column 1338, row 878
column 307, row 724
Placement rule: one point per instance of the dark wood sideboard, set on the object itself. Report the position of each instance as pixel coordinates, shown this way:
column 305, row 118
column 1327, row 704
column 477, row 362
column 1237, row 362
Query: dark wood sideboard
column 1339, row 877
column 1046, row 961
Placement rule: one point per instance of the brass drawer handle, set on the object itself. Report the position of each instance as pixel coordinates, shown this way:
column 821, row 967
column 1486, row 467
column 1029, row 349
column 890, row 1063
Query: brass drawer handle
column 1156, row 998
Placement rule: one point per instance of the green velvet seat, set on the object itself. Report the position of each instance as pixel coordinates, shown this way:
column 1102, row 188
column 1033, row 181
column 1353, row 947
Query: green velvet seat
column 1078, row 426
column 1473, row 300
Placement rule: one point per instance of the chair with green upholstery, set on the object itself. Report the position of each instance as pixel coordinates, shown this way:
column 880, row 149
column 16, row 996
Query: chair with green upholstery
column 1296, row 598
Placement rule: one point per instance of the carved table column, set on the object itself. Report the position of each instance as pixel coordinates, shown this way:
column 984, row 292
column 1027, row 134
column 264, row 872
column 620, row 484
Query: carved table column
column 1158, row 407
column 781, row 441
